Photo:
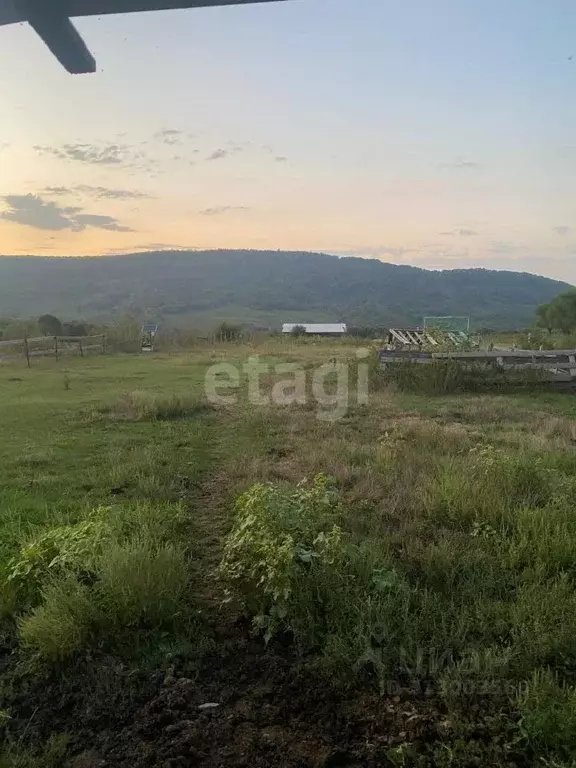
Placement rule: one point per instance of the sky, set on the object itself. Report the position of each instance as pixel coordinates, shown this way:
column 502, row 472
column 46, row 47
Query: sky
column 438, row 134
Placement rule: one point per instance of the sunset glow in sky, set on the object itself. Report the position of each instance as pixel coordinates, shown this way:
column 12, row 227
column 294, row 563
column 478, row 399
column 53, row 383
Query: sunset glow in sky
column 439, row 134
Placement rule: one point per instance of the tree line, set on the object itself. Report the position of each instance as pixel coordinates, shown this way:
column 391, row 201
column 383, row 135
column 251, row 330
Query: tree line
column 45, row 325
column 559, row 314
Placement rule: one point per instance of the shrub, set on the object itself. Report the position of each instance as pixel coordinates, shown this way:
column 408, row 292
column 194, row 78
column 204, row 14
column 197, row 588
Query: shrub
column 116, row 568
column 228, row 332
column 299, row 572
column 278, row 532
column 62, row 624
column 138, row 582
column 61, row 549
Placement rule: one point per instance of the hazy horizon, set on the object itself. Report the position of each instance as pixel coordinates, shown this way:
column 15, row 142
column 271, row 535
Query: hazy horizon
column 439, row 137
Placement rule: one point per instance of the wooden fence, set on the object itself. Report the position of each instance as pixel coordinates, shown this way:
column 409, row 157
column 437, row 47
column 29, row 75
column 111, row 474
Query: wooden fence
column 57, row 346
column 555, row 365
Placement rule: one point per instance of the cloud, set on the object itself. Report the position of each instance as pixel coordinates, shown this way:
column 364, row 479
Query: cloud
column 34, row 211
column 235, row 147
column 123, row 250
column 461, row 231
column 376, row 252
column 220, row 209
column 218, row 154
column 505, row 246
column 58, row 191
column 278, row 158
column 562, row 230
column 100, row 222
column 97, row 154
column 160, row 247
column 170, row 136
column 99, row 193
column 460, row 164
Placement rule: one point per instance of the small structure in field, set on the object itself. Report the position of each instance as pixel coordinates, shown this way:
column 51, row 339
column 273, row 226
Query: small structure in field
column 316, row 329
column 149, row 331
column 450, row 331
column 413, row 338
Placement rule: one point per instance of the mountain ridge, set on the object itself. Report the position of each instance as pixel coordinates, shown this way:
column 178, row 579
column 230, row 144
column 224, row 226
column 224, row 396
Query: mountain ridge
column 264, row 288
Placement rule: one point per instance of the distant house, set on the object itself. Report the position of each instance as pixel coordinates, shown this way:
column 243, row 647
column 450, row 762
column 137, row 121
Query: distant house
column 317, row 329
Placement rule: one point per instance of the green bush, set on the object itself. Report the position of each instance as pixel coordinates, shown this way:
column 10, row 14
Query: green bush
column 137, row 582
column 300, row 572
column 117, row 568
column 277, row 533
column 64, row 621
column 70, row 548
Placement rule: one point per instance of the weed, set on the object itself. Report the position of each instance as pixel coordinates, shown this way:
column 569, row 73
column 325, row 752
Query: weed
column 149, row 406
column 277, row 533
column 442, row 377
column 141, row 581
column 440, row 559
column 51, row 755
column 63, row 622
column 548, row 710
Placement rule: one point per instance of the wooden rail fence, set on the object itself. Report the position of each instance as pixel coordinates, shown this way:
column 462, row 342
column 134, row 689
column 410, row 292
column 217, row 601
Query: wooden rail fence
column 555, row 365
column 44, row 346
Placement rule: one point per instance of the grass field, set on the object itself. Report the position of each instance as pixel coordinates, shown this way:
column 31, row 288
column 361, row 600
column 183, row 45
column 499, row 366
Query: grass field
column 423, row 574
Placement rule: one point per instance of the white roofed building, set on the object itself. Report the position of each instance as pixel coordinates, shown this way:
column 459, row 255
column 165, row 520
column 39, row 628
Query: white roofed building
column 317, row 329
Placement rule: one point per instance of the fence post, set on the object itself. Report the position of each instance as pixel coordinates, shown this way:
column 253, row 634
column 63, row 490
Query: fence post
column 81, row 349
column 104, row 343
column 26, row 350
column 56, row 347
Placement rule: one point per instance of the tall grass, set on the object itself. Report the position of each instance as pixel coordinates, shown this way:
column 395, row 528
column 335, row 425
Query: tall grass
column 142, row 582
column 62, row 623
column 476, row 599
column 150, row 406
column 118, row 569
column 137, row 583
column 440, row 560
column 442, row 377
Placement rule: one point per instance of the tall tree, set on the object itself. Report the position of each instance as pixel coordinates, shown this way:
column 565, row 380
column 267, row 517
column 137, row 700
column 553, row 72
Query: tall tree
column 50, row 325
column 559, row 314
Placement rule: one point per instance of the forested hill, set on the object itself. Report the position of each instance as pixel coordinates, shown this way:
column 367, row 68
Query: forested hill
column 264, row 288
